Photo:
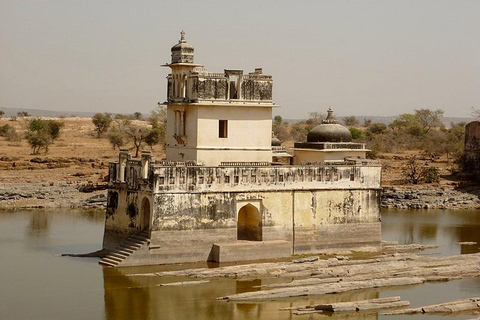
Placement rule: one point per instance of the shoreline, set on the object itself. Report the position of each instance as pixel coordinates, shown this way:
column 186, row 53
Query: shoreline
column 87, row 196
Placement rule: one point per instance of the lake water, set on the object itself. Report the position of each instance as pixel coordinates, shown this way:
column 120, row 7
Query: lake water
column 36, row 283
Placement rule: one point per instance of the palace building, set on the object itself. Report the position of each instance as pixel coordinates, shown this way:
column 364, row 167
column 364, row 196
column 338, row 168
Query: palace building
column 227, row 191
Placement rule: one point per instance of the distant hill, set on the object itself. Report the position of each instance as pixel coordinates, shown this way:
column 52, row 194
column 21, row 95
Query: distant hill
column 13, row 112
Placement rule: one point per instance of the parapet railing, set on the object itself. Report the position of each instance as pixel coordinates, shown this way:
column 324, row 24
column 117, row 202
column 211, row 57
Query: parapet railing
column 189, row 163
column 279, row 148
column 244, row 164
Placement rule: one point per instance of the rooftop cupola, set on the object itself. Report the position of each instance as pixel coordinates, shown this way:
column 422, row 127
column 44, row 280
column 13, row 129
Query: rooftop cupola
column 182, row 52
column 329, row 131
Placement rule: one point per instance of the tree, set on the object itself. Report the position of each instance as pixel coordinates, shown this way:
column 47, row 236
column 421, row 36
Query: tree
column 153, row 137
column 429, row 118
column 279, row 129
column 101, row 122
column 377, row 128
column 350, row 121
column 41, row 133
column 23, row 114
column 356, row 133
column 158, row 119
column 367, row 122
column 137, row 115
column 9, row 133
column 409, row 123
column 314, row 119
column 138, row 135
column 277, row 119
column 2, row 113
column 116, row 139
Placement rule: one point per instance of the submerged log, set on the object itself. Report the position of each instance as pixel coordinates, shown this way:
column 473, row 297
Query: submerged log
column 446, row 307
column 328, row 288
column 370, row 304
column 182, row 283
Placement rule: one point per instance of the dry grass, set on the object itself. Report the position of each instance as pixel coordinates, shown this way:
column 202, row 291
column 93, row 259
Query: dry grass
column 78, row 155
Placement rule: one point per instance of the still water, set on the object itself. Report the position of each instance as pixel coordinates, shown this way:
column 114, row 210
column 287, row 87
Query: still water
column 36, row 283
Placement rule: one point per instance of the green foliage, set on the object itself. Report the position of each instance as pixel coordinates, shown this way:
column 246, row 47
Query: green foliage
column 367, row 122
column 41, row 133
column 350, row 121
column 280, row 129
column 54, row 128
column 431, row 175
column 356, row 133
column 153, row 137
column 101, row 122
column 429, row 119
column 377, row 128
column 9, row 133
column 38, row 140
column 116, row 139
column 2, row 113
column 36, row 124
column 137, row 116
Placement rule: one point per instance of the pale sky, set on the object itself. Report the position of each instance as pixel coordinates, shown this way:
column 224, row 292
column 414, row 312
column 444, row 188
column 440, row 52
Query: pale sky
column 376, row 58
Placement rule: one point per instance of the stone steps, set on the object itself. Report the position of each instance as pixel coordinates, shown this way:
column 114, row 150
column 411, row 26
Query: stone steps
column 125, row 249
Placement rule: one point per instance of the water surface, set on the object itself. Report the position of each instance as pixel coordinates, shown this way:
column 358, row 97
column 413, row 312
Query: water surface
column 36, row 283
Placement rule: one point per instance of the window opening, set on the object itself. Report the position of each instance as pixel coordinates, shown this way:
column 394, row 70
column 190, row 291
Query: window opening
column 222, row 128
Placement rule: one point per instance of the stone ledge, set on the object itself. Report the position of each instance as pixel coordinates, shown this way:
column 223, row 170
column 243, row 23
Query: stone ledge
column 242, row 250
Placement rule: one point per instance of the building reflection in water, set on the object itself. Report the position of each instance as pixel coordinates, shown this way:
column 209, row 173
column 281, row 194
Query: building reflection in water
column 38, row 225
column 142, row 297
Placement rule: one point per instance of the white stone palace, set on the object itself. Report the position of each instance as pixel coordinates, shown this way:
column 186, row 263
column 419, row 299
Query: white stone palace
column 219, row 196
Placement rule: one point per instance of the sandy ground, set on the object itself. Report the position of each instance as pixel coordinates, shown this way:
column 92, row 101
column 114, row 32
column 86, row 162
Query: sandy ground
column 78, row 158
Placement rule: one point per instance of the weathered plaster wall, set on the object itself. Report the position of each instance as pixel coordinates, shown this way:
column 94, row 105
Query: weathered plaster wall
column 281, row 178
column 248, row 139
column 308, row 219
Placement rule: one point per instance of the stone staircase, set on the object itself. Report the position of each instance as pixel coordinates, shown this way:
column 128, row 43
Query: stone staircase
column 126, row 248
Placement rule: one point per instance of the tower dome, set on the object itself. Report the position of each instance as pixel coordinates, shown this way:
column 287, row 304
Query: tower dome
column 182, row 52
column 329, row 131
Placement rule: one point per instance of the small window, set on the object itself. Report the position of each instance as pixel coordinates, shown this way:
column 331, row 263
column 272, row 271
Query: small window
column 227, row 179
column 223, row 128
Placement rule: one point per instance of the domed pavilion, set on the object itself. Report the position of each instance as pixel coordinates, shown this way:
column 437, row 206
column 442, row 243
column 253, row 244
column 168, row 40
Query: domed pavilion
column 328, row 142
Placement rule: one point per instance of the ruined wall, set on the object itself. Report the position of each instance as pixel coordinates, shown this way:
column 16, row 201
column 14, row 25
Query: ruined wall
column 472, row 147
column 186, row 225
column 124, row 204
column 214, row 86
column 269, row 178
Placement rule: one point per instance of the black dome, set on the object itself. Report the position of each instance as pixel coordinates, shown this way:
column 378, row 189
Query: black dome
column 276, row 142
column 329, row 132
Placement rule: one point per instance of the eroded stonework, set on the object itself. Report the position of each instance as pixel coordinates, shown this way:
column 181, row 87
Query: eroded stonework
column 219, row 196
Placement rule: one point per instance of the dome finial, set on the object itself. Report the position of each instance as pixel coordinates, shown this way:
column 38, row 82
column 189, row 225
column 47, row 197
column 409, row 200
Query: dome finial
column 330, row 117
column 182, row 37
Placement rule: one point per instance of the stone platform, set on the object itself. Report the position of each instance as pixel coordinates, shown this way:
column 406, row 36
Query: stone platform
column 250, row 250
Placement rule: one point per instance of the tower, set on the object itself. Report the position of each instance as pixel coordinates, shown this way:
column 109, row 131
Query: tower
column 214, row 118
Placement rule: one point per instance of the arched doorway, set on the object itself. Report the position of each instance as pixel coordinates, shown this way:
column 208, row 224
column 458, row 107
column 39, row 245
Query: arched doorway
column 249, row 223
column 145, row 214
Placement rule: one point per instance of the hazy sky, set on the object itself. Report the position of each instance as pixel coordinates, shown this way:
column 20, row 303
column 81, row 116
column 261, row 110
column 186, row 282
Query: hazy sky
column 359, row 57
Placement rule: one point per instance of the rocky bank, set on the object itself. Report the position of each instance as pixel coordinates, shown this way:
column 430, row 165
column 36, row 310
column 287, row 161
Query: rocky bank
column 85, row 195
column 422, row 197
column 52, row 195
